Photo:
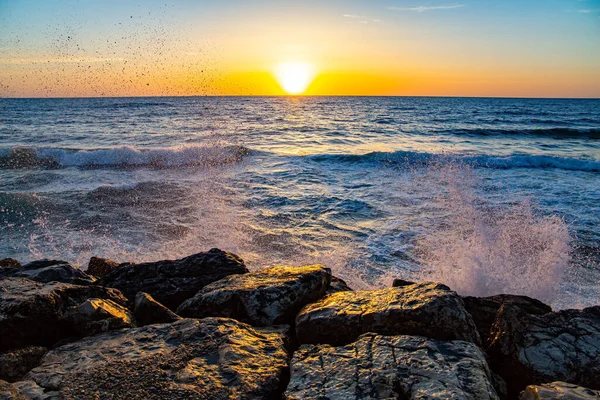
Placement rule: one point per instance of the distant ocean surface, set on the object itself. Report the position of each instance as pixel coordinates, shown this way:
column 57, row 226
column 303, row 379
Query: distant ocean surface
column 485, row 195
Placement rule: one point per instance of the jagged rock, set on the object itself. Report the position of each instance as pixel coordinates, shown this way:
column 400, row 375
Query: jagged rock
column 172, row 282
column 9, row 392
column 16, row 363
column 337, row 285
column 558, row 391
column 33, row 313
column 149, row 311
column 46, row 271
column 213, row 358
column 558, row 346
column 9, row 263
column 266, row 297
column 484, row 309
column 99, row 267
column 390, row 367
column 95, row 316
column 401, row 282
column 427, row 309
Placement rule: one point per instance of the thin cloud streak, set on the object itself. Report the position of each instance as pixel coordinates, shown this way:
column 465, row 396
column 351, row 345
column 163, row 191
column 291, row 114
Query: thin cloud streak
column 361, row 18
column 421, row 9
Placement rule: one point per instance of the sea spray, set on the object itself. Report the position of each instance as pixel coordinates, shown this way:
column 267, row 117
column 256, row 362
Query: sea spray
column 482, row 251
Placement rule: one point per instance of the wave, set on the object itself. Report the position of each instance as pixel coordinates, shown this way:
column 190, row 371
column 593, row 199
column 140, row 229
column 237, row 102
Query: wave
column 189, row 156
column 411, row 158
column 552, row 132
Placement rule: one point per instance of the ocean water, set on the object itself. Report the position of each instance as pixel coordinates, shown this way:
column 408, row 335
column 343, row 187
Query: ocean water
column 487, row 195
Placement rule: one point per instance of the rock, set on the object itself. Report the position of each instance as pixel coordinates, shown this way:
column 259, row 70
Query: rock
column 270, row 296
column 99, row 267
column 172, row 282
column 9, row 263
column 558, row 391
column 427, row 309
column 46, row 271
column 33, row 313
column 149, row 311
column 559, row 346
column 14, row 364
column 484, row 309
column 9, row 392
column 213, row 358
column 390, row 367
column 95, row 316
column 401, row 282
column 337, row 285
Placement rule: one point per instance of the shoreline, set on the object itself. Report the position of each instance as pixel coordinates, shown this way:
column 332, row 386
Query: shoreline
column 204, row 326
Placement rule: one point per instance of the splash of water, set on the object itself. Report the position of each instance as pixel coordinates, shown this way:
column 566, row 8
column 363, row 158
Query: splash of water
column 482, row 251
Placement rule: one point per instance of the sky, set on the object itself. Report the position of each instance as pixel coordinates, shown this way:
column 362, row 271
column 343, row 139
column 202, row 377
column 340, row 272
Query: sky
column 509, row 48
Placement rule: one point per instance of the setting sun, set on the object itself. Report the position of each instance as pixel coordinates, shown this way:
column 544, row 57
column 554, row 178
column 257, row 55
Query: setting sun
column 294, row 77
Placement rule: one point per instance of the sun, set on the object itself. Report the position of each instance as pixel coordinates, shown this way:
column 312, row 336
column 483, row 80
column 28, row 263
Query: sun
column 294, row 77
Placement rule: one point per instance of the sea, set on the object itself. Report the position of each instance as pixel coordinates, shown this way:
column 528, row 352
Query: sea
column 487, row 195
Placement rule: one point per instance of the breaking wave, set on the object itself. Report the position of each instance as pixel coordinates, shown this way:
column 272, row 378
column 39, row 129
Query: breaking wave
column 123, row 157
column 410, row 158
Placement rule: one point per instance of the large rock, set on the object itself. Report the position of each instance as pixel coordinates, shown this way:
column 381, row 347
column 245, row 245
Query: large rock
column 390, row 367
column 267, row 297
column 427, row 309
column 32, row 313
column 100, row 267
column 484, row 309
column 95, row 316
column 338, row 285
column 9, row 262
column 172, row 282
column 558, row 346
column 16, row 363
column 211, row 358
column 148, row 311
column 558, row 391
column 46, row 271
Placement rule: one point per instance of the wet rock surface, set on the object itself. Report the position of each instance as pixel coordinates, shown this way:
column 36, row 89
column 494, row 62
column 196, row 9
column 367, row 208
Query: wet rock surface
column 100, row 267
column 559, row 346
column 428, row 309
column 9, row 263
column 484, row 310
column 95, row 316
column 212, row 358
column 558, row 391
column 16, row 363
column 390, row 367
column 338, row 285
column 33, row 313
column 171, row 282
column 46, row 271
column 148, row 311
column 9, row 392
column 267, row 297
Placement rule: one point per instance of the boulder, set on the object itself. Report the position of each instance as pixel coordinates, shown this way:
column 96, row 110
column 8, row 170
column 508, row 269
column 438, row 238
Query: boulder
column 99, row 267
column 484, row 310
column 46, row 271
column 427, row 309
column 337, row 285
column 95, row 316
column 16, row 363
column 172, row 282
column 149, row 311
column 212, row 358
column 558, row 391
column 9, row 392
column 531, row 349
column 9, row 263
column 266, row 297
column 33, row 313
column 390, row 367
column 401, row 282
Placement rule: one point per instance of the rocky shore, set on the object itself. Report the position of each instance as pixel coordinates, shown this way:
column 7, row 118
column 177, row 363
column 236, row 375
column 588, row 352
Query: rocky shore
column 204, row 327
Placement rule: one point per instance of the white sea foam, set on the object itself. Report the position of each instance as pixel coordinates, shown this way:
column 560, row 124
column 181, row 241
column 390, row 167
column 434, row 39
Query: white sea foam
column 482, row 251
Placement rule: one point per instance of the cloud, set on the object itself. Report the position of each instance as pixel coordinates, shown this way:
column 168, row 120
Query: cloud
column 362, row 19
column 421, row 9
